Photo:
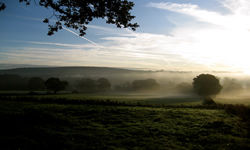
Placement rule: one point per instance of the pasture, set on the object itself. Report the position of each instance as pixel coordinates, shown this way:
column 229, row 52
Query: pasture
column 117, row 122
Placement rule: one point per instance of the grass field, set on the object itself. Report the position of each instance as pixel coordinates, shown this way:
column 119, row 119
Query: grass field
column 54, row 123
column 135, row 97
column 140, row 97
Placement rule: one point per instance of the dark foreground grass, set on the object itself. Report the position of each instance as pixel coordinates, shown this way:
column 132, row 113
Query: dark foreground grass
column 105, row 125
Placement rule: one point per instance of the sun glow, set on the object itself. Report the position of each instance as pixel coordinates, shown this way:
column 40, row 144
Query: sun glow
column 223, row 40
column 247, row 72
column 199, row 39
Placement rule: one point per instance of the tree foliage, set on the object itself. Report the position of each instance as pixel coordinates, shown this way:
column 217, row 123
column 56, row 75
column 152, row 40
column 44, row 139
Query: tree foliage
column 77, row 14
column 36, row 83
column 90, row 85
column 148, row 84
column 206, row 85
column 2, row 6
column 103, row 84
column 55, row 84
column 184, row 87
column 124, row 87
column 12, row 82
column 86, row 85
column 232, row 86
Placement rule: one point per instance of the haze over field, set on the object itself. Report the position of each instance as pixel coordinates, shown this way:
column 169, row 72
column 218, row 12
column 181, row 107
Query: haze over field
column 159, row 85
column 179, row 79
column 191, row 35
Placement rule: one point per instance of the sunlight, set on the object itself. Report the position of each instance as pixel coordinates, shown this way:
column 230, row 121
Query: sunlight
column 219, row 39
column 213, row 46
column 247, row 71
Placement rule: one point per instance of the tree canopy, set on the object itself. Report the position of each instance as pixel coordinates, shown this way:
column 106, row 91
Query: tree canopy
column 55, row 84
column 2, row 6
column 76, row 14
column 232, row 86
column 206, row 85
column 147, row 84
column 12, row 82
column 90, row 85
column 103, row 84
column 36, row 83
column 86, row 85
column 184, row 87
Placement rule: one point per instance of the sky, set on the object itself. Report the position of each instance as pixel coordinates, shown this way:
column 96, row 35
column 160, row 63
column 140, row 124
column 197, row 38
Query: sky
column 176, row 35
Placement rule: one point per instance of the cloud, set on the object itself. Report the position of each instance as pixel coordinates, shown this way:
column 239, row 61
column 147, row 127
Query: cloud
column 55, row 44
column 237, row 18
column 237, row 7
column 141, row 51
column 222, row 40
column 100, row 28
column 191, row 10
column 80, row 36
column 220, row 43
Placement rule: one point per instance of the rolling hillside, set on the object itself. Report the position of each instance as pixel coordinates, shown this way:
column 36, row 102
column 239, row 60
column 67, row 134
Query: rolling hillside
column 68, row 71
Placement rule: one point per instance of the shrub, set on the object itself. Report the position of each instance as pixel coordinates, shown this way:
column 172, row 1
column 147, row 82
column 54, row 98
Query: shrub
column 239, row 109
column 208, row 101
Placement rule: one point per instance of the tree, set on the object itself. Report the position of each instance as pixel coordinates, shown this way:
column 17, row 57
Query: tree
column 148, row 84
column 55, row 84
column 232, row 86
column 206, row 85
column 247, row 87
column 36, row 84
column 103, row 84
column 2, row 6
column 184, row 88
column 87, row 85
column 125, row 87
column 13, row 82
column 77, row 14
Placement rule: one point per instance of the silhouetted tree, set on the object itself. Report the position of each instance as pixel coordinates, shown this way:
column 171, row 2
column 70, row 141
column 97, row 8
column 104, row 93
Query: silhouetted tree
column 77, row 14
column 2, row 6
column 206, row 85
column 12, row 82
column 208, row 101
column 87, row 85
column 125, row 87
column 184, row 87
column 55, row 84
column 148, row 84
column 36, row 84
column 247, row 87
column 103, row 84
column 232, row 86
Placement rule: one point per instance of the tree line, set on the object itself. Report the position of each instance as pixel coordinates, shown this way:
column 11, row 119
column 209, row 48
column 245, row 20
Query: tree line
column 84, row 85
column 211, row 85
column 16, row 82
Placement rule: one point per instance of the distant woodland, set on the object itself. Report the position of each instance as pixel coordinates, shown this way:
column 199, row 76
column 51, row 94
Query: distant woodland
column 13, row 82
column 100, row 79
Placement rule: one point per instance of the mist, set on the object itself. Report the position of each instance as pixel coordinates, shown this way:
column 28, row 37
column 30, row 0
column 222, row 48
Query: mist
column 236, row 86
column 158, row 84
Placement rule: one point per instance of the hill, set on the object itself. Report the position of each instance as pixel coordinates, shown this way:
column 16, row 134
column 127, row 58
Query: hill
column 65, row 72
column 114, row 75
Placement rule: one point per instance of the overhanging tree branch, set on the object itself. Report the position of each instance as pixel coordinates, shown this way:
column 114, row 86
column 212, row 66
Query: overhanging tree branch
column 77, row 14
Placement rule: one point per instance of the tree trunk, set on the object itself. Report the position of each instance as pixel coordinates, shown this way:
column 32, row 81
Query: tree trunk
column 208, row 101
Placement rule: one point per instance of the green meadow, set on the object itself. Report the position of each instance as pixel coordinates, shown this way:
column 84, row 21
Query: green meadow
column 129, row 98
column 119, row 122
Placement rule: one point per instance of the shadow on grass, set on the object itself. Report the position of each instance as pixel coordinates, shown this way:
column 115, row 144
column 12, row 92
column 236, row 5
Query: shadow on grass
column 47, row 123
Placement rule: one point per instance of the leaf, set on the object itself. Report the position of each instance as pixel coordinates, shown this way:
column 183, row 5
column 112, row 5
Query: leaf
column 46, row 20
